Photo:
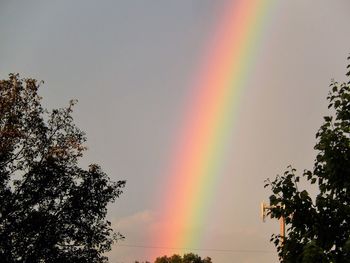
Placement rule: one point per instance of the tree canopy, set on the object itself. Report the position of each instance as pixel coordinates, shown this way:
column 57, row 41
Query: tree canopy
column 186, row 258
column 51, row 210
column 318, row 228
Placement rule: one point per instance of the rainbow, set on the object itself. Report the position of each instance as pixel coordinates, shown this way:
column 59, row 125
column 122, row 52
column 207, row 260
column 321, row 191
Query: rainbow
column 208, row 125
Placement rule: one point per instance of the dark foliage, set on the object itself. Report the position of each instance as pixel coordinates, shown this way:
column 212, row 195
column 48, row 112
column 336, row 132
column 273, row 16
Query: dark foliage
column 50, row 209
column 187, row 258
column 318, row 229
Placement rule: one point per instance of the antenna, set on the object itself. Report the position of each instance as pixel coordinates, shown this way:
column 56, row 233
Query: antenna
column 263, row 210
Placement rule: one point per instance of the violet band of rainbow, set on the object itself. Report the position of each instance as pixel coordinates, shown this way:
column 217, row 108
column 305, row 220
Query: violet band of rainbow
column 209, row 122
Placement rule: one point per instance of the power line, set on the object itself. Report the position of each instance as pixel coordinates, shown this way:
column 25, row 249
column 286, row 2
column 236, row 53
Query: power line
column 200, row 249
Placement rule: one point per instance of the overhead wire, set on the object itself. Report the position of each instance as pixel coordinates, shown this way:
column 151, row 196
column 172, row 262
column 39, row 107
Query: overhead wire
column 199, row 249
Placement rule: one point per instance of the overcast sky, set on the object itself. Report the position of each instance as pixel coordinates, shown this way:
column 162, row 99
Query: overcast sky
column 130, row 64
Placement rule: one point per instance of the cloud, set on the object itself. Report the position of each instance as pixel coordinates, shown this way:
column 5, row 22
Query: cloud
column 137, row 229
column 135, row 220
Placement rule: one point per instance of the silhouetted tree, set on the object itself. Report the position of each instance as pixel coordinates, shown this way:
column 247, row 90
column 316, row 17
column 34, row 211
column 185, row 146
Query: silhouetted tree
column 318, row 230
column 51, row 210
column 187, row 258
column 163, row 259
column 191, row 258
column 176, row 259
column 206, row 260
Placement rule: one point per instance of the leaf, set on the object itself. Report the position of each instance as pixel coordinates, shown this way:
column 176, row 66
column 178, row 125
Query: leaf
column 327, row 118
column 336, row 103
column 304, row 194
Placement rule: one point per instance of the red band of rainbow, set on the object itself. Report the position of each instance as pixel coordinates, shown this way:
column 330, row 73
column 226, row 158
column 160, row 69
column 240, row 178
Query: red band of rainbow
column 209, row 124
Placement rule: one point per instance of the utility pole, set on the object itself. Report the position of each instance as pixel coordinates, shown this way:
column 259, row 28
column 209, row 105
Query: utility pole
column 264, row 209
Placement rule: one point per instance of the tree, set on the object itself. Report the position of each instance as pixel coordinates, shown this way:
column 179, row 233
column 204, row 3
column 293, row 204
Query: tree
column 175, row 259
column 187, row 258
column 163, row 259
column 318, row 229
column 51, row 210
column 191, row 258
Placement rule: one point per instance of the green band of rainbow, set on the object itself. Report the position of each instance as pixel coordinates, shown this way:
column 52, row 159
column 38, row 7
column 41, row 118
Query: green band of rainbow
column 209, row 124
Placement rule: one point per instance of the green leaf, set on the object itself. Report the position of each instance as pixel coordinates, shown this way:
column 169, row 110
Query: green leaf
column 304, row 194
column 327, row 118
